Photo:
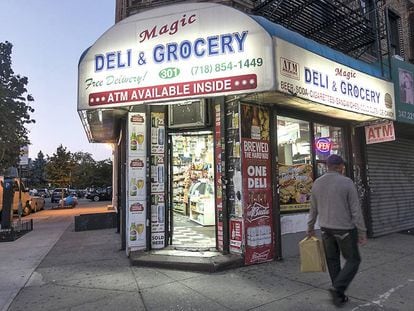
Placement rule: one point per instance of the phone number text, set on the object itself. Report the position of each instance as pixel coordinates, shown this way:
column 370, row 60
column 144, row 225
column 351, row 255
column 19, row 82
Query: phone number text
column 226, row 66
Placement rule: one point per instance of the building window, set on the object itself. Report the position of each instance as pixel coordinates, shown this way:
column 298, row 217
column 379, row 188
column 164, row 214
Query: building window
column 299, row 149
column 295, row 168
column 394, row 33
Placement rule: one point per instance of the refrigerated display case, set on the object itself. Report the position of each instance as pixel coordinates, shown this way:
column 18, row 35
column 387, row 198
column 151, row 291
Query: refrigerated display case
column 202, row 203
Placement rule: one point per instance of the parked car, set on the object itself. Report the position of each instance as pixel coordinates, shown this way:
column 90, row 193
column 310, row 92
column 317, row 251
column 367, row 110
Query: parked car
column 30, row 203
column 57, row 194
column 99, row 194
column 43, row 193
column 70, row 201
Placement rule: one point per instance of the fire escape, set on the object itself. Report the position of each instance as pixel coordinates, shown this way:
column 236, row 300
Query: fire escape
column 355, row 27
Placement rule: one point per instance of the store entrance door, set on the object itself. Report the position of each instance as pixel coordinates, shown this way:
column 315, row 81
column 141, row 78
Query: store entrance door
column 192, row 204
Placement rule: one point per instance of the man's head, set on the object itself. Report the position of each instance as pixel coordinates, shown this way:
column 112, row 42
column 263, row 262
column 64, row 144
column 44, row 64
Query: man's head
column 335, row 163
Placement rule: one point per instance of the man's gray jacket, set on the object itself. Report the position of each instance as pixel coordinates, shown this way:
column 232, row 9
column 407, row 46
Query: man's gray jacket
column 335, row 199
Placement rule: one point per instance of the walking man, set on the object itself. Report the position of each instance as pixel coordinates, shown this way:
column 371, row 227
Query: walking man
column 335, row 200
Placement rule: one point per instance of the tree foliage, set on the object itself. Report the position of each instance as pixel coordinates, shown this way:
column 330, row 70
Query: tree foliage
column 103, row 175
column 60, row 167
column 84, row 171
column 38, row 171
column 77, row 170
column 15, row 110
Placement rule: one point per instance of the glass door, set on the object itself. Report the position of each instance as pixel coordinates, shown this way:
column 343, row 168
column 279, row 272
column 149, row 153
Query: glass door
column 327, row 140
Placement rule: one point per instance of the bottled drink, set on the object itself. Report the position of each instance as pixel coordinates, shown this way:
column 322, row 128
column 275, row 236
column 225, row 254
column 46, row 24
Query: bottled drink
column 133, row 141
column 255, row 129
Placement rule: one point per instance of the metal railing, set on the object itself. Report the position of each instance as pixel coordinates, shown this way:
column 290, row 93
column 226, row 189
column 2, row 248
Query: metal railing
column 18, row 229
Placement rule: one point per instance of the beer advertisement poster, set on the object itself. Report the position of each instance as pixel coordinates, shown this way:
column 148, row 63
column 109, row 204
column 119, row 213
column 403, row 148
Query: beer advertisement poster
column 136, row 182
column 157, row 180
column 257, row 186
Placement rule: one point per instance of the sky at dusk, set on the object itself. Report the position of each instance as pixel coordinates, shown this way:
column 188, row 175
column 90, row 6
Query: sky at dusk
column 48, row 38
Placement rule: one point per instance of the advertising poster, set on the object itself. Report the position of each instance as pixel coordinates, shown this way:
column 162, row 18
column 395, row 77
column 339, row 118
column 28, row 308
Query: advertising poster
column 257, row 185
column 136, row 182
column 236, row 234
column 403, row 76
column 157, row 180
column 295, row 184
column 218, row 176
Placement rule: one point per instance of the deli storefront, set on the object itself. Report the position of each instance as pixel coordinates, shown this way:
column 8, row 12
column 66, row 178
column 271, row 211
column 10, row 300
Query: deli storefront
column 221, row 121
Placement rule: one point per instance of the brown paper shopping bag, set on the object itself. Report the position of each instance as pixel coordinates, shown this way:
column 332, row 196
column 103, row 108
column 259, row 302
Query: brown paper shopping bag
column 312, row 255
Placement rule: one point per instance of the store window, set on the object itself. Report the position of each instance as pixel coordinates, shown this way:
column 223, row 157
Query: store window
column 294, row 164
column 299, row 149
column 328, row 140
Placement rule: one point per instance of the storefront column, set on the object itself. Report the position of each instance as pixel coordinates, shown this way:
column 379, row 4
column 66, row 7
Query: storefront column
column 122, row 187
column 275, row 185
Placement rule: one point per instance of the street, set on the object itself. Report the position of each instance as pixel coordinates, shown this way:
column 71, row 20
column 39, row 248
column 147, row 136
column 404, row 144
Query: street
column 55, row 268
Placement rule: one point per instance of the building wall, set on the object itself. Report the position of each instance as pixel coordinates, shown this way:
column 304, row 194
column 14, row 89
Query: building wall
column 125, row 8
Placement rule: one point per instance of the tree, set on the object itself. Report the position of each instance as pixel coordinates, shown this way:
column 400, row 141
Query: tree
column 103, row 176
column 60, row 167
column 84, row 170
column 38, row 170
column 14, row 110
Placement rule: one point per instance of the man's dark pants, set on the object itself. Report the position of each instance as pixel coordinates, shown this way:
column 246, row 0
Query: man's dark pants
column 345, row 242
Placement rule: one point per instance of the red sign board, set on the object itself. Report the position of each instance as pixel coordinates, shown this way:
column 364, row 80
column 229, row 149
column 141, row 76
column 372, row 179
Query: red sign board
column 257, row 201
column 379, row 133
column 174, row 90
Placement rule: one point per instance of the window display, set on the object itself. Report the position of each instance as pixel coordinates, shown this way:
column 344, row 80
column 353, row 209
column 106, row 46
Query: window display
column 294, row 164
column 296, row 156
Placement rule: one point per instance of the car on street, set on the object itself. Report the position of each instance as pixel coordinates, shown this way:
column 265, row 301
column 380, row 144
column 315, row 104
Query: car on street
column 56, row 195
column 99, row 194
column 29, row 203
column 70, row 201
column 43, row 193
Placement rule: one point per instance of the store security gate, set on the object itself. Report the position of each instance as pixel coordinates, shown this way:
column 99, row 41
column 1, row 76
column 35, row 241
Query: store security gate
column 391, row 182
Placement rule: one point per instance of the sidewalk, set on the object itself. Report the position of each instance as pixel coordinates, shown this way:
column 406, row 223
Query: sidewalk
column 20, row 258
column 87, row 271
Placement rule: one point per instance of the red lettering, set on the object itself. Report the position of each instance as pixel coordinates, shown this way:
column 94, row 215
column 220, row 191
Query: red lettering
column 164, row 29
column 371, row 134
column 167, row 28
column 387, row 130
column 146, row 35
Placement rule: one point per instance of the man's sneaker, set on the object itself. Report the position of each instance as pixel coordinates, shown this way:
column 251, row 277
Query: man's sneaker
column 338, row 298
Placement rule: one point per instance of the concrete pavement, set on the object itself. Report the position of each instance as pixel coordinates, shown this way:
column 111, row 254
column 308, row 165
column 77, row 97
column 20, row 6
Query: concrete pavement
column 20, row 258
column 87, row 271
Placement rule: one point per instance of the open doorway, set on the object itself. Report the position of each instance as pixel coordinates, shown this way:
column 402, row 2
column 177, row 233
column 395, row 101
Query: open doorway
column 192, row 208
